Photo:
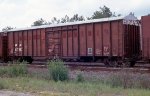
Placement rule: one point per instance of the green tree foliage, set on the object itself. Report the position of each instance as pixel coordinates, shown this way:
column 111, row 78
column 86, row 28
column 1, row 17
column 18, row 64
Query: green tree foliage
column 54, row 20
column 76, row 17
column 65, row 19
column 102, row 13
column 39, row 22
column 7, row 28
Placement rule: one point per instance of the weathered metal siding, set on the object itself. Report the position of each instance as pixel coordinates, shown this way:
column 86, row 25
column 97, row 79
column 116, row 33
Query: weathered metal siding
column 64, row 41
column 145, row 20
column 90, row 41
column 115, row 38
column 30, row 44
column 94, row 39
column 121, row 39
column 109, row 38
column 43, row 43
column 20, row 43
column 75, row 38
column 70, row 41
column 27, row 43
column 10, row 44
column 106, row 38
column 98, row 39
column 53, row 36
column 83, row 40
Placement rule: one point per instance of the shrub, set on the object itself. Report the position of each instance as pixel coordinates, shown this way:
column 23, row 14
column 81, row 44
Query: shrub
column 57, row 70
column 80, row 78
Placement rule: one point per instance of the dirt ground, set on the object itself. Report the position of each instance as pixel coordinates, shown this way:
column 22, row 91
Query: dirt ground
column 13, row 93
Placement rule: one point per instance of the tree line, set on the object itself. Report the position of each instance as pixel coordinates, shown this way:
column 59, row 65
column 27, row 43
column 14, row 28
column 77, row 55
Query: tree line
column 103, row 12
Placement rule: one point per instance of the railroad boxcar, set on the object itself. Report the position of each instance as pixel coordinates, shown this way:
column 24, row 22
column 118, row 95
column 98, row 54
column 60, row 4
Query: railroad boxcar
column 145, row 22
column 108, row 39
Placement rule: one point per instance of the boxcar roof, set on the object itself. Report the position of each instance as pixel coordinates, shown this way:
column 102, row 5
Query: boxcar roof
column 128, row 17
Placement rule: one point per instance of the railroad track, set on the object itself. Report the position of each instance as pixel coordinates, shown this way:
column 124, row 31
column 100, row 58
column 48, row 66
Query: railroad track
column 142, row 68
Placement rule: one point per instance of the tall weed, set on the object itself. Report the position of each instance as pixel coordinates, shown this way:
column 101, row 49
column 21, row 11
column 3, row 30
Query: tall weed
column 57, row 70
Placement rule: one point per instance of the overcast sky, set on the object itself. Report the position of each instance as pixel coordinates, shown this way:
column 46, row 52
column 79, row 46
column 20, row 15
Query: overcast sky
column 22, row 13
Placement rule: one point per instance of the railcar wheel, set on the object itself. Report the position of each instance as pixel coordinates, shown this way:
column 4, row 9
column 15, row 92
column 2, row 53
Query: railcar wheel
column 114, row 63
column 107, row 62
column 29, row 60
column 132, row 63
column 129, row 64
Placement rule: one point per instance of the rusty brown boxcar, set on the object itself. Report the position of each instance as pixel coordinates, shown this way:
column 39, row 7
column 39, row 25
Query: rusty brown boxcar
column 108, row 39
column 145, row 21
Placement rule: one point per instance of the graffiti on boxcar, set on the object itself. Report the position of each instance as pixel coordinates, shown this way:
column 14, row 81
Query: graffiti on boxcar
column 98, row 51
column 106, row 51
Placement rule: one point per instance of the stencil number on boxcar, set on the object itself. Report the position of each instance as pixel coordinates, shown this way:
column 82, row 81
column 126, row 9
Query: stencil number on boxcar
column 90, row 51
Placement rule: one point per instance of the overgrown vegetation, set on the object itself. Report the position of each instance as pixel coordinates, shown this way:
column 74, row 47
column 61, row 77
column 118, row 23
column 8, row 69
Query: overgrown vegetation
column 122, row 83
column 14, row 70
column 57, row 70
column 126, row 79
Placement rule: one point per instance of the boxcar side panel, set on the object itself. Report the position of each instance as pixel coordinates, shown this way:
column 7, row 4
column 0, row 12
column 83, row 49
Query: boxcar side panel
column 34, row 43
column 38, row 37
column 25, row 36
column 49, row 42
column 83, row 40
column 121, row 39
column 90, row 41
column 75, row 41
column 106, row 39
column 30, row 43
column 70, row 43
column 56, row 37
column 20, row 43
column 10, row 44
column 43, row 42
column 115, row 38
column 98, row 39
column 16, row 43
column 64, row 42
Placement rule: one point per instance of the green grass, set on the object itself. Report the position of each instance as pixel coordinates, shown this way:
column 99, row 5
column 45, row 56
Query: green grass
column 18, row 77
column 14, row 70
column 68, row 88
